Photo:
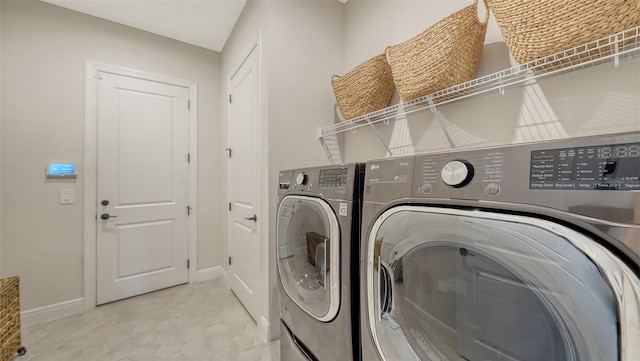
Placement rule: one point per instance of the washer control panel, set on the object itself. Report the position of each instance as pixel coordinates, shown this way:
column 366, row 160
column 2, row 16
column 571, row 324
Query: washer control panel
column 333, row 177
column 332, row 182
column 602, row 167
column 596, row 176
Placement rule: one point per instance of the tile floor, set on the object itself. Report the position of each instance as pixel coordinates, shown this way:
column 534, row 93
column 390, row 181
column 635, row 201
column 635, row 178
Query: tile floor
column 195, row 322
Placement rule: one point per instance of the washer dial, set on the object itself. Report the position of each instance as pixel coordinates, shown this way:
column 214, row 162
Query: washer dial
column 457, row 173
column 301, row 179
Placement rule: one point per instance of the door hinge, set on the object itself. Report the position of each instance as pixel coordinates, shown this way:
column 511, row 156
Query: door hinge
column 229, row 98
column 229, row 205
column 188, row 264
column 229, row 150
column 188, row 210
column 229, row 260
column 189, row 104
column 188, row 157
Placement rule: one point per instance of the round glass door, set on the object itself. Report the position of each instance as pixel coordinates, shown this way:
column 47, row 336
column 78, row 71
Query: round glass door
column 308, row 255
column 450, row 284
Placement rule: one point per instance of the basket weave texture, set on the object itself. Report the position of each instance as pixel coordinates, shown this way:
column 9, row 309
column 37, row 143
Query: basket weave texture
column 533, row 29
column 9, row 317
column 366, row 88
column 445, row 54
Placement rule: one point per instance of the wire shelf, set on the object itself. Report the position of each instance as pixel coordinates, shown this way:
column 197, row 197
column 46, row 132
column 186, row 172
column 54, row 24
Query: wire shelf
column 611, row 49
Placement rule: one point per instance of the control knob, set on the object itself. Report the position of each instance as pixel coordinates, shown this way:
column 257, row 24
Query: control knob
column 457, row 173
column 301, row 179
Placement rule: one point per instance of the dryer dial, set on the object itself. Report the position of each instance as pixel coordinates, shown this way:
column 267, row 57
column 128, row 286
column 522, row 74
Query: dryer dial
column 457, row 173
column 301, row 179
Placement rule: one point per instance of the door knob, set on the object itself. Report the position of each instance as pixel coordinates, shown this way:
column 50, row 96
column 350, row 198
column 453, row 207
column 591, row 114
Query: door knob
column 105, row 216
column 105, row 202
column 254, row 218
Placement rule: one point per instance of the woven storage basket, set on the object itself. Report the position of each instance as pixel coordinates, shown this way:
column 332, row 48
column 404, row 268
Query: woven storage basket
column 533, row 29
column 9, row 317
column 445, row 54
column 366, row 88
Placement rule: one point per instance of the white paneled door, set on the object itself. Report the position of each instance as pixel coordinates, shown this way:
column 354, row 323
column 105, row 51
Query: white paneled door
column 142, row 186
column 245, row 174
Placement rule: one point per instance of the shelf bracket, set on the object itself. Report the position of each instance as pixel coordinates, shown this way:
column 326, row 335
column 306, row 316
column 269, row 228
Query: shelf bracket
column 616, row 57
column 326, row 150
column 500, row 87
column 432, row 105
column 375, row 131
column 440, row 119
column 331, row 146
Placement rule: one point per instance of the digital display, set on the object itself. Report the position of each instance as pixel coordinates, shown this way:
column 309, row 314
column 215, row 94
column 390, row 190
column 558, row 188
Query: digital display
column 334, row 177
column 61, row 170
column 619, row 151
column 606, row 167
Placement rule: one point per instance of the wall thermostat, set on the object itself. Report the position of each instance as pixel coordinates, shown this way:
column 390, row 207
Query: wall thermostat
column 61, row 170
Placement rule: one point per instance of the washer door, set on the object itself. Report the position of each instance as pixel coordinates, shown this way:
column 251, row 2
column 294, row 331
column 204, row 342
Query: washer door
column 308, row 255
column 448, row 284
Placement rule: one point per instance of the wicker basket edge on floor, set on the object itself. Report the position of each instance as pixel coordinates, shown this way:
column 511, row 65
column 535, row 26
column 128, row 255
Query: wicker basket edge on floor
column 533, row 29
column 445, row 54
column 10, row 336
column 365, row 89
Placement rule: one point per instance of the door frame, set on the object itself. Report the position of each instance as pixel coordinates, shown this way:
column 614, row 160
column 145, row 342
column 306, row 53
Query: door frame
column 264, row 324
column 90, row 169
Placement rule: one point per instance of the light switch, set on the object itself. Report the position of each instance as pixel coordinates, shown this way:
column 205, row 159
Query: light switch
column 66, row 196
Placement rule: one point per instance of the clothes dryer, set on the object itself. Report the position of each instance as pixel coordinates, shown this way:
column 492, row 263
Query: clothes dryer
column 527, row 252
column 318, row 235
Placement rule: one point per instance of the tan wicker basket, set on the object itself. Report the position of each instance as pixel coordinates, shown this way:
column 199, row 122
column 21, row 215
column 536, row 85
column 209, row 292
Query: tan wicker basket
column 533, row 29
column 366, row 88
column 445, row 54
column 9, row 317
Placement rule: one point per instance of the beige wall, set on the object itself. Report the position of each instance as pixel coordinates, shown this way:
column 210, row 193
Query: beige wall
column 43, row 77
column 302, row 48
column 598, row 100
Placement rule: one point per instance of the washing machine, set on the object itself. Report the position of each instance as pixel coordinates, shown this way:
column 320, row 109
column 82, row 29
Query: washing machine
column 526, row 252
column 318, row 239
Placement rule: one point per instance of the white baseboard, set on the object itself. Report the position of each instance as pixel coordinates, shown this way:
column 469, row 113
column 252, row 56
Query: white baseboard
column 264, row 330
column 212, row 273
column 51, row 312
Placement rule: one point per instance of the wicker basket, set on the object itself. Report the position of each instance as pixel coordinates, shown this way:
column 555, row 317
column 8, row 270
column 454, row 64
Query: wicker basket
column 9, row 317
column 366, row 88
column 445, row 54
column 533, row 29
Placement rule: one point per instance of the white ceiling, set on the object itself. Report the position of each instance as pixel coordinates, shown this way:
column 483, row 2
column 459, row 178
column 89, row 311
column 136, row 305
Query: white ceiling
column 204, row 23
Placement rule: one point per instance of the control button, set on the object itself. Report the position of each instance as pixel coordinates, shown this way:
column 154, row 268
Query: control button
column 492, row 189
column 457, row 173
column 301, row 179
column 426, row 188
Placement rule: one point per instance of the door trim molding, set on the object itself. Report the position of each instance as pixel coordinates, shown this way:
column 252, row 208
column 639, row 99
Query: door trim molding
column 90, row 169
